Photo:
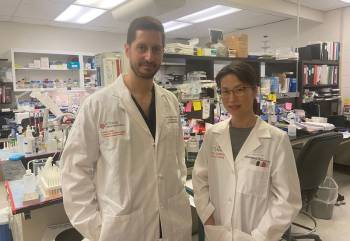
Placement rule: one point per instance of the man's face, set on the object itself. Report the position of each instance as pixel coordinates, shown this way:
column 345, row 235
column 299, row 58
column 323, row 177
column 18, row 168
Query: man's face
column 145, row 53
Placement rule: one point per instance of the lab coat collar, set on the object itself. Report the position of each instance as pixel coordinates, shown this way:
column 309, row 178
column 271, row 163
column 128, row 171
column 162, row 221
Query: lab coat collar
column 222, row 134
column 121, row 92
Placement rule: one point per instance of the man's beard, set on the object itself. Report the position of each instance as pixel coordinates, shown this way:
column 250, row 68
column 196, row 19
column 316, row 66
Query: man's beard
column 135, row 68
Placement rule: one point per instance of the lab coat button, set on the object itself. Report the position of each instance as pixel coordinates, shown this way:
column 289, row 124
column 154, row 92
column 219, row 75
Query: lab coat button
column 160, row 176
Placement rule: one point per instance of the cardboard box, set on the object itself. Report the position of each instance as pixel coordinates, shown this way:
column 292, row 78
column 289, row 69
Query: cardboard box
column 239, row 43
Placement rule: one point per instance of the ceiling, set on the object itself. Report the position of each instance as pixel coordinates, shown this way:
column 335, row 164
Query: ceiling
column 323, row 5
column 44, row 12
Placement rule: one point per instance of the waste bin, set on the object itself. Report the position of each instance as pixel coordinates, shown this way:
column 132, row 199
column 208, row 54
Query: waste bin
column 323, row 203
column 5, row 232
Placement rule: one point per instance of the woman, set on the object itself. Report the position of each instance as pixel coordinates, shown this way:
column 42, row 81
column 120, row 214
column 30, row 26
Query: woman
column 245, row 181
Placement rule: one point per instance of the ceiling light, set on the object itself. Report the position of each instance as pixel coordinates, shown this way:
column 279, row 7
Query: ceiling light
column 346, row 1
column 79, row 14
column 209, row 13
column 103, row 4
column 173, row 25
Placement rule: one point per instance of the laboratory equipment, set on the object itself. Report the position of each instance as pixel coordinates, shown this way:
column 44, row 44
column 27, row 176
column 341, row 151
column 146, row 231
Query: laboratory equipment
column 30, row 196
column 50, row 180
column 192, row 149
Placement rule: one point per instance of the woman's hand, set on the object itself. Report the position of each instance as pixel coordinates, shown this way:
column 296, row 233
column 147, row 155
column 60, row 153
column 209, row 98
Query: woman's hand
column 210, row 221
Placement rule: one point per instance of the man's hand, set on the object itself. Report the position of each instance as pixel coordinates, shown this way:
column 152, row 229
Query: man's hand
column 210, row 221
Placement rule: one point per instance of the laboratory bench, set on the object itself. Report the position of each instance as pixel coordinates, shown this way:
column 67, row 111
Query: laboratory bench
column 28, row 223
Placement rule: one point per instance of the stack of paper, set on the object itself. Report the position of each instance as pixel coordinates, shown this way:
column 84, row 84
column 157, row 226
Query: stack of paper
column 177, row 48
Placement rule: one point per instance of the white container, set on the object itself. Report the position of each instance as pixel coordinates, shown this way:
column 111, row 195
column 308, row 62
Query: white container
column 292, row 130
column 28, row 145
column 29, row 182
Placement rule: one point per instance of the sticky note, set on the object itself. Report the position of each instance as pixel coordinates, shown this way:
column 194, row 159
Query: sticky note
column 288, row 106
column 188, row 107
column 197, row 105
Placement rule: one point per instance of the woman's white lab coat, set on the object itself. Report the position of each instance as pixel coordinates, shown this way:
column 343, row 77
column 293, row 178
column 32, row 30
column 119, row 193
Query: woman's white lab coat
column 248, row 202
column 116, row 179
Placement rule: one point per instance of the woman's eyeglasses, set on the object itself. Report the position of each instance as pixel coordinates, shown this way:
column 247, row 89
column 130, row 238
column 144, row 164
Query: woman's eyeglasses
column 238, row 91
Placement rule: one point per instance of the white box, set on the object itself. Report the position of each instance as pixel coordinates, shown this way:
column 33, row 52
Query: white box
column 44, row 62
column 37, row 63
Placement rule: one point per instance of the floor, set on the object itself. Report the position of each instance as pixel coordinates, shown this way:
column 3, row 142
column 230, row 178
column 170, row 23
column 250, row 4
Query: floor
column 338, row 228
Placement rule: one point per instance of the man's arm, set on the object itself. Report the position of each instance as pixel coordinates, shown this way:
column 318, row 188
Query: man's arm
column 79, row 160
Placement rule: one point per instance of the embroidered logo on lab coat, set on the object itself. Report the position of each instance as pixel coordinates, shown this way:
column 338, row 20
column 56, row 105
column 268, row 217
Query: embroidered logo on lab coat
column 257, row 159
column 216, row 152
column 171, row 119
column 112, row 128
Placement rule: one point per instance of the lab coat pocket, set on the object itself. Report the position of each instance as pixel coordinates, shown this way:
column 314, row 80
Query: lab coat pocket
column 217, row 233
column 171, row 131
column 238, row 235
column 253, row 180
column 180, row 217
column 123, row 227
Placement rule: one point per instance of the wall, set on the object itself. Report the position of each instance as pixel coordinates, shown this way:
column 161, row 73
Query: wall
column 27, row 36
column 283, row 34
column 336, row 27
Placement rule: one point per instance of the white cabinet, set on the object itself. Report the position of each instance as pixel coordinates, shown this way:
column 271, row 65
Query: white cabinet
column 49, row 70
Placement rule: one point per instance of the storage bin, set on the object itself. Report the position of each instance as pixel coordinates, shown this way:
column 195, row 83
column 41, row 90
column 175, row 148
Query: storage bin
column 5, row 232
column 73, row 65
column 323, row 203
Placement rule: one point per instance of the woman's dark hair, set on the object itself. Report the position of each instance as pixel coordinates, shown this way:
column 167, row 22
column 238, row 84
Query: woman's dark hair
column 243, row 71
column 144, row 23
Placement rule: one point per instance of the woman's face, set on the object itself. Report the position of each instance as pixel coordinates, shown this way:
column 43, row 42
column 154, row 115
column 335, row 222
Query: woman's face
column 237, row 96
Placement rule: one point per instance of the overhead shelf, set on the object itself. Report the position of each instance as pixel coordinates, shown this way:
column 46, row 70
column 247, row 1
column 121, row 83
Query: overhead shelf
column 47, row 69
column 68, row 69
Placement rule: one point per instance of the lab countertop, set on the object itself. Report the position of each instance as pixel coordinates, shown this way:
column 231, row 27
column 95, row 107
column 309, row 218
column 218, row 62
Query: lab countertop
column 15, row 190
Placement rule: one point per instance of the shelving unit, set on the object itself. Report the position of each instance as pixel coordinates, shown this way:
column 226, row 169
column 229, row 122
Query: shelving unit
column 319, row 76
column 51, row 70
column 181, row 65
column 211, row 65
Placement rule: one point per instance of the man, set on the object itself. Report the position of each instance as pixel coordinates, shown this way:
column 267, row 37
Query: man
column 123, row 174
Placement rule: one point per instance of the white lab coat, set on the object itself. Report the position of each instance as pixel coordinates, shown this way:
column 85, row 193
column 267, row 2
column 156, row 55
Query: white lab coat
column 116, row 180
column 248, row 202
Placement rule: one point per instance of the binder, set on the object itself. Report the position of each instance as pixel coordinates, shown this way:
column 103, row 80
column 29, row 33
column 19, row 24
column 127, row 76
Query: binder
column 316, row 51
column 324, row 51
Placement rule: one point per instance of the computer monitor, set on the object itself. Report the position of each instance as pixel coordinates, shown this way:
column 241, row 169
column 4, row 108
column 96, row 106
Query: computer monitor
column 216, row 35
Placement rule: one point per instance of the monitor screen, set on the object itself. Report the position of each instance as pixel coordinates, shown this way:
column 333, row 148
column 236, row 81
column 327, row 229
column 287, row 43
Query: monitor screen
column 216, row 35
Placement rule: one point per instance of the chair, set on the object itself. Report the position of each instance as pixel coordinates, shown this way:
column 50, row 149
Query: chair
column 312, row 165
column 69, row 235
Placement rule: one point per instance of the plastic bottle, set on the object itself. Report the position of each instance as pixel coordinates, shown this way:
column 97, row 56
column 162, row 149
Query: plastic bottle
column 29, row 181
column 192, row 148
column 292, row 128
column 29, row 142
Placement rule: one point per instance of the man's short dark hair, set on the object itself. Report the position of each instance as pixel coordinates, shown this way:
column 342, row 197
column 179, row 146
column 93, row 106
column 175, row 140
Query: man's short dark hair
column 144, row 23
